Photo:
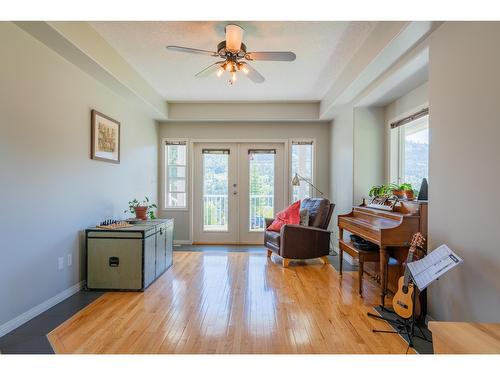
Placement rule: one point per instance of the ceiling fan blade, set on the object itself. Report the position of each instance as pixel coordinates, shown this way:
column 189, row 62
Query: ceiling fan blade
column 209, row 70
column 251, row 73
column 192, row 50
column 271, row 56
column 234, row 37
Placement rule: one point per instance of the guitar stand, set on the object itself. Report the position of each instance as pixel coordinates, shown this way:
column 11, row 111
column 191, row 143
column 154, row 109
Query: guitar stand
column 403, row 326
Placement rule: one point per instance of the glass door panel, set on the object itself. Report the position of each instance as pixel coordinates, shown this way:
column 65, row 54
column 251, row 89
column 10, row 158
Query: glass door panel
column 262, row 191
column 215, row 190
column 215, row 194
column 261, row 188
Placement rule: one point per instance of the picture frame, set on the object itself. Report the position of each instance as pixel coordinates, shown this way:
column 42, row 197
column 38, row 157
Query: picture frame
column 104, row 138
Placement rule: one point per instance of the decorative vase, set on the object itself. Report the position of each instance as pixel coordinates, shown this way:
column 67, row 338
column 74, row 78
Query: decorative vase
column 141, row 212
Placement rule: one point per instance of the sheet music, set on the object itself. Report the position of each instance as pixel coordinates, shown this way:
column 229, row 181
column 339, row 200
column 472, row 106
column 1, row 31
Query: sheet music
column 432, row 266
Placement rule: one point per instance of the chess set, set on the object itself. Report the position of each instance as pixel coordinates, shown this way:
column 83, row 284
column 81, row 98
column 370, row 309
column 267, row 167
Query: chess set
column 113, row 224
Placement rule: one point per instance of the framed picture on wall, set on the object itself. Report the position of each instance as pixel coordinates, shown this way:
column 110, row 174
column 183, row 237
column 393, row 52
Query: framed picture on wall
column 105, row 138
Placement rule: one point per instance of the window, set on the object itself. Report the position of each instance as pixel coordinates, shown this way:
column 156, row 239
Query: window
column 261, row 188
column 215, row 190
column 176, row 175
column 413, row 155
column 302, row 164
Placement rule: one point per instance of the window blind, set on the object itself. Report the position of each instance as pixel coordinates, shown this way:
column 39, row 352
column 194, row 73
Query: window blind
column 261, row 151
column 209, row 151
column 406, row 120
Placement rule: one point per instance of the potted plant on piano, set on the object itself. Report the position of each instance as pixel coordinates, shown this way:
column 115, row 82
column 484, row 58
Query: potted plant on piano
column 142, row 210
column 404, row 190
column 379, row 191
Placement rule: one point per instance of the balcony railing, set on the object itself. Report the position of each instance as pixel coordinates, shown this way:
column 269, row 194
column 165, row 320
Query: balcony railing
column 261, row 206
column 215, row 211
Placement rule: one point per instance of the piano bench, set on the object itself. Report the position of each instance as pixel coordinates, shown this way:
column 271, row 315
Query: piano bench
column 362, row 256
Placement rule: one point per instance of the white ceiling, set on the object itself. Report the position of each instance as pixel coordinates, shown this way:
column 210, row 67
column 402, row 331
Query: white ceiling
column 323, row 50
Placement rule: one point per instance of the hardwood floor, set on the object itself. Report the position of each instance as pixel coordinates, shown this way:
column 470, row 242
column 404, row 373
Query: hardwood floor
column 233, row 303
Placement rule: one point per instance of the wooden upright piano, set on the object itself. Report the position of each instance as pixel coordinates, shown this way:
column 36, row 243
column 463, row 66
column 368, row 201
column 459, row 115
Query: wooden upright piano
column 390, row 230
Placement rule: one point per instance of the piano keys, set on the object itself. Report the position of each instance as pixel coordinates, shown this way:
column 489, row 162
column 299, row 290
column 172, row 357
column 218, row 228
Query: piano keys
column 391, row 231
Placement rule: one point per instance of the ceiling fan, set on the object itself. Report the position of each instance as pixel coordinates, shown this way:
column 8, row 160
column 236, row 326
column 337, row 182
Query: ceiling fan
column 233, row 53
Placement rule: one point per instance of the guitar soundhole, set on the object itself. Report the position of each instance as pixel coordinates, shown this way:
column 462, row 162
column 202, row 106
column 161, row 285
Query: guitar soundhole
column 403, row 305
column 405, row 289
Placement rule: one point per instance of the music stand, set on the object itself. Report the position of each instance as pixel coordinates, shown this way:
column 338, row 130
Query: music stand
column 425, row 271
column 403, row 326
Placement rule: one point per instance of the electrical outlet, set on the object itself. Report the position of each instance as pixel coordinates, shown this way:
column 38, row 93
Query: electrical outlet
column 70, row 259
column 60, row 264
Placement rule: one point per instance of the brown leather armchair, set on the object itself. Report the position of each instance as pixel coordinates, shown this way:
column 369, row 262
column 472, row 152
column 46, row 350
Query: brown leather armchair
column 303, row 242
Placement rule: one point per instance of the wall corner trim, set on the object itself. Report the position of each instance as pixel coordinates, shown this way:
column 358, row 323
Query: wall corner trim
column 40, row 308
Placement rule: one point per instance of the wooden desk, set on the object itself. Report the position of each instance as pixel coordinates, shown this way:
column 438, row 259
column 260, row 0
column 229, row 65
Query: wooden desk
column 465, row 338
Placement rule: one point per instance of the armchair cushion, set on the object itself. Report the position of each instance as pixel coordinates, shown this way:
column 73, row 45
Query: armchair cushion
column 304, row 217
column 319, row 211
column 290, row 215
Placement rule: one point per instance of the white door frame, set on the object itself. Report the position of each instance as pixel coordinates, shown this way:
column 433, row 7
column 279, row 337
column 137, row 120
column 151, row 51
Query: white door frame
column 286, row 171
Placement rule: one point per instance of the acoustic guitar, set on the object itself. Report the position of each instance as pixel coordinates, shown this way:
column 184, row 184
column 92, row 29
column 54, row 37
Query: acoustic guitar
column 402, row 302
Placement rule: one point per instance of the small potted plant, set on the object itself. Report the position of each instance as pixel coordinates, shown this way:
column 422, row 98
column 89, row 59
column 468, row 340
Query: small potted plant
column 408, row 190
column 142, row 210
column 404, row 190
column 379, row 191
column 398, row 191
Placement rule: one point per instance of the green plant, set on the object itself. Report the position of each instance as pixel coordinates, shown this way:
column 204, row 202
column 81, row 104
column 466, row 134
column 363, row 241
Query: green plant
column 406, row 186
column 145, row 203
column 379, row 190
column 403, row 186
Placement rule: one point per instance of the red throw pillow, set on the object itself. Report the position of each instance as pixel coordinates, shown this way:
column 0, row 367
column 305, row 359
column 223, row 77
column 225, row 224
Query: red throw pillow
column 289, row 215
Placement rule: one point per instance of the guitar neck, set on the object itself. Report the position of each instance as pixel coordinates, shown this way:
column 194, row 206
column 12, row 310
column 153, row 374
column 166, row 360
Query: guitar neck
column 409, row 259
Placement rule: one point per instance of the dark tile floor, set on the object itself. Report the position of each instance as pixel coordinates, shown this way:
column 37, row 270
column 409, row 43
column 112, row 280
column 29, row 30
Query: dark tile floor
column 31, row 337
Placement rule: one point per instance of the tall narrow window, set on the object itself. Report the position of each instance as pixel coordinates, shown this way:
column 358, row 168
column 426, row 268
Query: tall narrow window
column 215, row 190
column 302, row 164
column 176, row 168
column 261, row 188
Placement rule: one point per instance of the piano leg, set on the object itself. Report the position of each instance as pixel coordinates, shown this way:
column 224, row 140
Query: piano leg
column 383, row 274
column 341, row 252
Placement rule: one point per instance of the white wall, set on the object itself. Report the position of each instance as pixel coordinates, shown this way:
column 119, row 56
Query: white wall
column 342, row 163
column 464, row 92
column 50, row 188
column 369, row 150
column 406, row 105
column 249, row 130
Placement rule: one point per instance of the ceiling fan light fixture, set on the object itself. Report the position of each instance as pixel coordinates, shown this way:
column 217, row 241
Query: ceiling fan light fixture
column 220, row 71
column 243, row 68
column 234, row 36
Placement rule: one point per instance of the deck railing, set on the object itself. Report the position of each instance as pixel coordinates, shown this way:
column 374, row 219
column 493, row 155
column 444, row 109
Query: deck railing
column 215, row 211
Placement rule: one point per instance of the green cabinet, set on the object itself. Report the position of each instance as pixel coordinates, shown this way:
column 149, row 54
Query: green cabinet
column 129, row 258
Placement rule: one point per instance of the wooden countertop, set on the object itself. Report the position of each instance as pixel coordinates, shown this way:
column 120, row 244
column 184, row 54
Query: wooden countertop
column 465, row 338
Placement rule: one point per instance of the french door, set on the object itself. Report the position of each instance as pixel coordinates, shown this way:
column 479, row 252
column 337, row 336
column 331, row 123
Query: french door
column 236, row 186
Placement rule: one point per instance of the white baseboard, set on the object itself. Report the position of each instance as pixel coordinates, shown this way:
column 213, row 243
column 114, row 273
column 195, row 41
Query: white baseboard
column 182, row 242
column 38, row 309
column 349, row 259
